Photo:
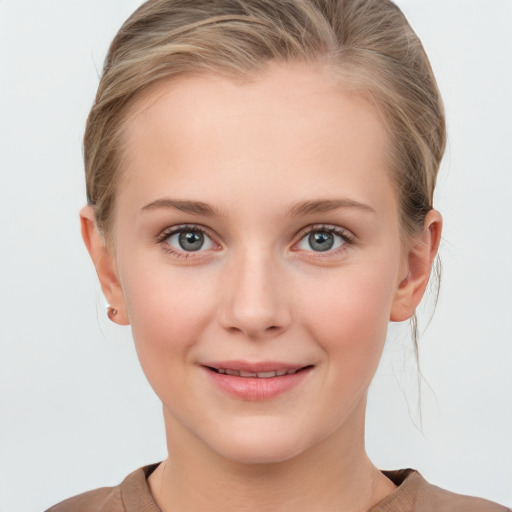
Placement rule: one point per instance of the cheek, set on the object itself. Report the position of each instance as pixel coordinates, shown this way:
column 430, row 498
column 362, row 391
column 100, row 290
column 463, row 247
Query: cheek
column 348, row 317
column 168, row 313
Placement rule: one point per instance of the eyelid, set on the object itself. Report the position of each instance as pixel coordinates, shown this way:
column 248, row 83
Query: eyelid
column 173, row 230
column 326, row 227
column 347, row 236
column 331, row 228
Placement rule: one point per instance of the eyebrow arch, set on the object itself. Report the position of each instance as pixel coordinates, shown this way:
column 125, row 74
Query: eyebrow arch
column 193, row 207
column 326, row 205
column 302, row 208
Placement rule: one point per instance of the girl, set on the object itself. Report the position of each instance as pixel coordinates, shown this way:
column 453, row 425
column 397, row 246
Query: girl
column 260, row 179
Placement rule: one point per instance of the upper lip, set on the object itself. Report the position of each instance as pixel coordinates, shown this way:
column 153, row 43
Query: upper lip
column 254, row 367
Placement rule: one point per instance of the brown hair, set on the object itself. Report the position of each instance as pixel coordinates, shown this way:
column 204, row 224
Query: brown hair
column 368, row 44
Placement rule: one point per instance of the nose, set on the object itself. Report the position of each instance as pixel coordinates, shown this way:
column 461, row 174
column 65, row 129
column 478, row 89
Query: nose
column 254, row 298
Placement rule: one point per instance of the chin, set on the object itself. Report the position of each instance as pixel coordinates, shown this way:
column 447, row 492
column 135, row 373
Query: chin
column 259, row 453
column 257, row 443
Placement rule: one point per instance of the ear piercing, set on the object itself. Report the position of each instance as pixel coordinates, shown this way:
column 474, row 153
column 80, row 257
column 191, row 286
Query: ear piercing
column 111, row 313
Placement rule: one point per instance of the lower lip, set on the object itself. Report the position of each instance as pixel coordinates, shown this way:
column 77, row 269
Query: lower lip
column 255, row 389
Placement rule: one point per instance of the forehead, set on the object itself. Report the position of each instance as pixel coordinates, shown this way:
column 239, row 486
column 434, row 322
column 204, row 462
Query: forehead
column 292, row 127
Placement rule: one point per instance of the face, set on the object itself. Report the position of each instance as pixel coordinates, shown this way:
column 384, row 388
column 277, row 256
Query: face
column 258, row 259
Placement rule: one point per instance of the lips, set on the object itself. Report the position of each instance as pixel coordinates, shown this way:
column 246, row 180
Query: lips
column 256, row 381
column 255, row 375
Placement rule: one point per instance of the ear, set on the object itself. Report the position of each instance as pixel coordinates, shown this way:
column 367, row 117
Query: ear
column 419, row 260
column 104, row 262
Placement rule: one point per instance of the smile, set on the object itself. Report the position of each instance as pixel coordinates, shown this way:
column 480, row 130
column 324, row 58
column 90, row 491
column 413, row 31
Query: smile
column 255, row 375
column 256, row 381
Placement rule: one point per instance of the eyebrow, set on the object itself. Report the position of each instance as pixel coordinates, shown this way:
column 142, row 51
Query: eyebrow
column 325, row 205
column 193, row 207
column 302, row 208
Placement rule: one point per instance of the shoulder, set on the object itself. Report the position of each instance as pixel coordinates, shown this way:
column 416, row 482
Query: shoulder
column 415, row 494
column 133, row 490
column 440, row 500
column 105, row 499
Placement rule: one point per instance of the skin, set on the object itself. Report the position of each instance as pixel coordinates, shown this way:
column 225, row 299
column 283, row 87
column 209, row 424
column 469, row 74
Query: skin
column 258, row 290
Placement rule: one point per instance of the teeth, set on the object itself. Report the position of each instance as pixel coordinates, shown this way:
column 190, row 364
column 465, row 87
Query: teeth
column 257, row 375
column 266, row 375
column 248, row 374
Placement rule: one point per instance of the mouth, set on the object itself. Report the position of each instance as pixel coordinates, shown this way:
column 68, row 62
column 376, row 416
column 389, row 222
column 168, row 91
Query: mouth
column 256, row 381
column 258, row 375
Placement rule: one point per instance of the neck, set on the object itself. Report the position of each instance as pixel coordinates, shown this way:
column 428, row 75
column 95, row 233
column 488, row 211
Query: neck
column 335, row 474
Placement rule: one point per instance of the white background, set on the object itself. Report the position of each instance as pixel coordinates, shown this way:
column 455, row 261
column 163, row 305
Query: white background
column 76, row 411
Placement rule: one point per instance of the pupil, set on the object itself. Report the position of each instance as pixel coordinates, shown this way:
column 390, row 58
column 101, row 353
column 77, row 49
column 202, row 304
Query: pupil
column 321, row 241
column 191, row 240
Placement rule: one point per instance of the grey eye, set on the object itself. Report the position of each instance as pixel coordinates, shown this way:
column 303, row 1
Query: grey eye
column 321, row 240
column 190, row 240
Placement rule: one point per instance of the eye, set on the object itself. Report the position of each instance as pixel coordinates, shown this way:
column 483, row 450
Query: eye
column 187, row 239
column 324, row 238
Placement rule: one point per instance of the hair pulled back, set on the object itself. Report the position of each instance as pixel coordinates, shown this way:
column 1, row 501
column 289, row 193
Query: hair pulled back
column 367, row 43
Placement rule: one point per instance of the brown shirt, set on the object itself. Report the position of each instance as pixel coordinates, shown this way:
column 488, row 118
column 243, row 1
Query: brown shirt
column 414, row 494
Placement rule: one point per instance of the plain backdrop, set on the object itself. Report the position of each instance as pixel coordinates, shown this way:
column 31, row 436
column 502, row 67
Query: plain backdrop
column 76, row 410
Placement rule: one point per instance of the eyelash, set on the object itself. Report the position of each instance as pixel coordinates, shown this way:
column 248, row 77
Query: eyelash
column 179, row 229
column 347, row 237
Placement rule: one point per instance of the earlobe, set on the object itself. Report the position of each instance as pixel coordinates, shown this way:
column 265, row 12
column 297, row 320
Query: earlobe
column 419, row 262
column 104, row 263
